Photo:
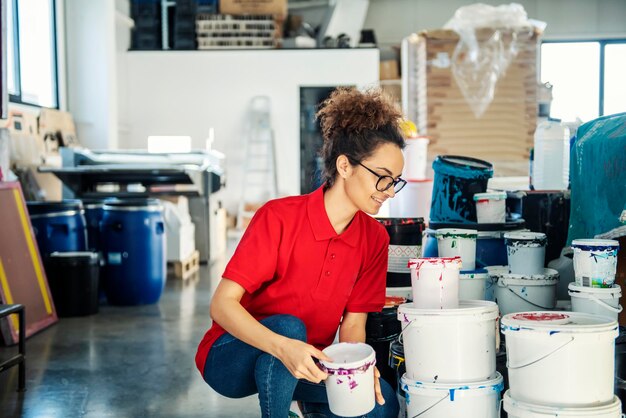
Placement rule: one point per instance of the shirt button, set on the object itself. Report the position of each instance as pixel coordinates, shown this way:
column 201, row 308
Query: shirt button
column 328, row 273
column 332, row 256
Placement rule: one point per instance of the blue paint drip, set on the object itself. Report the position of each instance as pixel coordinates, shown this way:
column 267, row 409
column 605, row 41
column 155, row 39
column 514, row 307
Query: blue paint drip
column 452, row 394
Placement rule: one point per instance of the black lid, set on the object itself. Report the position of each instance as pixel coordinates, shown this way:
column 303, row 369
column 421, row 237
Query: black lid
column 461, row 161
column 131, row 203
column 39, row 208
column 400, row 221
column 510, row 225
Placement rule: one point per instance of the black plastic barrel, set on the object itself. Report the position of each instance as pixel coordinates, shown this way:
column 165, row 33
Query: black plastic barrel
column 380, row 329
column 457, row 180
column 73, row 280
column 405, row 242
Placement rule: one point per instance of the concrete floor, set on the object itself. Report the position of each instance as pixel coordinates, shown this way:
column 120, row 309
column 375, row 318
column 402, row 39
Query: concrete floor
column 124, row 362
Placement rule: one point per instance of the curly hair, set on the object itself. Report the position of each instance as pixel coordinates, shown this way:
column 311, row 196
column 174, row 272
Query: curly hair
column 355, row 123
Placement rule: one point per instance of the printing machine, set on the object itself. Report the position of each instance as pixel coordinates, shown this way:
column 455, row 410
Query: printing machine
column 199, row 175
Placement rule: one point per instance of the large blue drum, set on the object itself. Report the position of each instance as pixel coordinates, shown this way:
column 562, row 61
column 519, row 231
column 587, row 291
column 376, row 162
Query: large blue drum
column 457, row 180
column 132, row 237
column 94, row 209
column 58, row 226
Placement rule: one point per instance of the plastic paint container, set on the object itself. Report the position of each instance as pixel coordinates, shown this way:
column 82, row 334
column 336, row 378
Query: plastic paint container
column 403, row 292
column 472, row 284
column 597, row 301
column 458, row 242
column 457, row 180
column 413, row 201
column 450, row 345
column 490, row 207
column 416, row 155
column 461, row 400
column 517, row 409
column 595, row 262
column 350, row 382
column 520, row 293
column 405, row 242
column 526, row 252
column 560, row 359
column 58, row 226
column 396, row 363
column 435, row 282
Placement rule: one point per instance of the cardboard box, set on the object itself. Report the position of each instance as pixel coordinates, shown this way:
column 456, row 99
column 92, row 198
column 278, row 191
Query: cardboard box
column 503, row 135
column 180, row 242
column 254, row 7
column 389, row 70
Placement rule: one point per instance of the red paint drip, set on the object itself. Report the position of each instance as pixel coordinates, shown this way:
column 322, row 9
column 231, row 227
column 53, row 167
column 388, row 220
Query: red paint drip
column 540, row 316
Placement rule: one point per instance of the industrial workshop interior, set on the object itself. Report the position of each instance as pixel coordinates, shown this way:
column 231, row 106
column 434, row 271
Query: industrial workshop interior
column 312, row 208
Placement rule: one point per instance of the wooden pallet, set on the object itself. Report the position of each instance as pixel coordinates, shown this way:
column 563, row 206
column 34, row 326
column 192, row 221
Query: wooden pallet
column 184, row 269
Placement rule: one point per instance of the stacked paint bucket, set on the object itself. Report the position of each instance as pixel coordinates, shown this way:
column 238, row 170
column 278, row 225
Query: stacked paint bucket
column 594, row 290
column 449, row 346
column 560, row 364
column 524, row 284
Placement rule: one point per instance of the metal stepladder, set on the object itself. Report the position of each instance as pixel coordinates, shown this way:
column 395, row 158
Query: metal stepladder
column 260, row 182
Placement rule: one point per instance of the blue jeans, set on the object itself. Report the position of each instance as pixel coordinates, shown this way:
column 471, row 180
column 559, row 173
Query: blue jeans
column 235, row 369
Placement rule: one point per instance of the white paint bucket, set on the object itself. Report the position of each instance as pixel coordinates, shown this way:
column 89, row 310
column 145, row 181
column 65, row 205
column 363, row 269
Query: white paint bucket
column 415, row 158
column 526, row 252
column 454, row 242
column 560, row 359
column 450, row 345
column 472, row 284
column 350, row 382
column 520, row 293
column 595, row 262
column 490, row 286
column 435, row 282
column 517, row 409
column 414, row 201
column 403, row 292
column 453, row 400
column 596, row 301
column 490, row 207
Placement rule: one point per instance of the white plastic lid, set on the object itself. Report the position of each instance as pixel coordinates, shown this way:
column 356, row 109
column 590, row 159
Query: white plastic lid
column 502, row 273
column 525, row 236
column 595, row 243
column 467, row 311
column 494, row 383
column 456, row 232
column 348, row 355
column 527, row 410
column 435, row 262
column 606, row 292
column 490, row 196
column 557, row 322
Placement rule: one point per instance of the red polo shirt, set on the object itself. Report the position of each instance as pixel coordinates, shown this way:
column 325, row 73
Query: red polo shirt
column 291, row 261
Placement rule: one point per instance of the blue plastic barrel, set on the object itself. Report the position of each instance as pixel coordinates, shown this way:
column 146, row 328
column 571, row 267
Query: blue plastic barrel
column 93, row 215
column 456, row 181
column 132, row 237
column 58, row 226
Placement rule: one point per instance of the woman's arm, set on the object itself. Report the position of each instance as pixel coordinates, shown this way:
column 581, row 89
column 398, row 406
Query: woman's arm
column 296, row 355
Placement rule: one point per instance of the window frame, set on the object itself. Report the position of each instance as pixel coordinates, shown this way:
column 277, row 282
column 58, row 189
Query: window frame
column 603, row 42
column 17, row 98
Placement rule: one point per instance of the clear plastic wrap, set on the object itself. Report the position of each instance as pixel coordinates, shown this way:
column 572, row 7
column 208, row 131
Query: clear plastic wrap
column 487, row 45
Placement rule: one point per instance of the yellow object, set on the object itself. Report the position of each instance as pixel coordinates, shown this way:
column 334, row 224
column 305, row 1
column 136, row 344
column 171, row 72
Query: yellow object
column 409, row 130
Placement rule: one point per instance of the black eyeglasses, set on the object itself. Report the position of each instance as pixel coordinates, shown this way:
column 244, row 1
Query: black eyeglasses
column 384, row 183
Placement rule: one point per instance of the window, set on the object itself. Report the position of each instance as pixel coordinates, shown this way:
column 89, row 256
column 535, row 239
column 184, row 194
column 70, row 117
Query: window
column 31, row 52
column 587, row 78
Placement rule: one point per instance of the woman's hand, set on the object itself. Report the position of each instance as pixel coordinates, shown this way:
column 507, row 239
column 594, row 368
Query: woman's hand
column 297, row 357
column 379, row 395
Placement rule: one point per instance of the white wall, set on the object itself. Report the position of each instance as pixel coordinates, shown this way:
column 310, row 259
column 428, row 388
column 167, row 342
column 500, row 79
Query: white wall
column 395, row 19
column 187, row 93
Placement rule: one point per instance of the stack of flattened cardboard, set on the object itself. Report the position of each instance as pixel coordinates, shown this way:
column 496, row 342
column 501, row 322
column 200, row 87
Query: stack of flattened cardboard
column 503, row 134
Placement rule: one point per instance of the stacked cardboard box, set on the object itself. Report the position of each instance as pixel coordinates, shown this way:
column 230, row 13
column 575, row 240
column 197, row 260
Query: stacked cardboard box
column 503, row 134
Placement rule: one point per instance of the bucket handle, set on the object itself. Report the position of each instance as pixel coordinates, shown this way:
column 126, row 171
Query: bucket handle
column 432, row 406
column 605, row 305
column 545, row 308
column 400, row 336
column 541, row 357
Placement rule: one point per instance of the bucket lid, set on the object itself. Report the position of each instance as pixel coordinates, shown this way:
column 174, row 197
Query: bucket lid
column 474, row 274
column 595, row 244
column 601, row 292
column 361, row 355
column 527, row 410
column 456, row 233
column 490, row 196
column 150, row 205
column 466, row 167
column 495, row 382
column 435, row 262
column 549, row 276
column 401, row 221
column 557, row 322
column 394, row 301
column 534, row 237
column 467, row 311
column 39, row 208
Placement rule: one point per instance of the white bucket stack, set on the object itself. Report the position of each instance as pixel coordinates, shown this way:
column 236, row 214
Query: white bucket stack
column 449, row 348
column 594, row 290
column 560, row 364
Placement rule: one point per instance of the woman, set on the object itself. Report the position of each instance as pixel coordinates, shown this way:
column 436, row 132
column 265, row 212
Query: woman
column 308, row 265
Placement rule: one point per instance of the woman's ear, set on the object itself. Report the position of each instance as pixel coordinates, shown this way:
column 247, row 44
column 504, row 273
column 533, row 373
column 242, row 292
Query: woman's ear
column 344, row 168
